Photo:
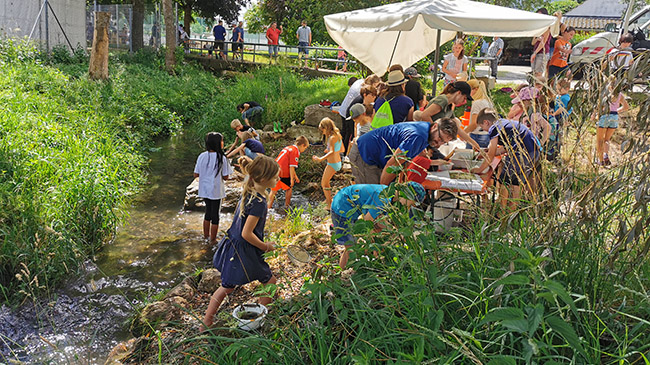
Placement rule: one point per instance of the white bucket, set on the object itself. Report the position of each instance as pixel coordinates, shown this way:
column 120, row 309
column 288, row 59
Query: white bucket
column 445, row 213
column 250, row 324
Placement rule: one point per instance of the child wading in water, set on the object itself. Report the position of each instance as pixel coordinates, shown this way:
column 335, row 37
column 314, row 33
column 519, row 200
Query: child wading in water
column 212, row 167
column 332, row 156
column 608, row 122
column 239, row 257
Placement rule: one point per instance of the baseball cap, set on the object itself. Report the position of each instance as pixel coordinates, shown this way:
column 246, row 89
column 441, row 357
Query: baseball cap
column 356, row 110
column 464, row 89
column 411, row 71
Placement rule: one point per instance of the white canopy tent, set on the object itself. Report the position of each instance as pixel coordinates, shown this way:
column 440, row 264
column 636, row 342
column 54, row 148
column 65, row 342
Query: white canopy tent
column 406, row 32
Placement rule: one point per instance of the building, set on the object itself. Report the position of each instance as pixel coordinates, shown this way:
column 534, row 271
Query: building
column 593, row 15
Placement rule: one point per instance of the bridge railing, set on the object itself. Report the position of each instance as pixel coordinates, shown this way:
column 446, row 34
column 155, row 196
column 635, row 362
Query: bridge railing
column 259, row 52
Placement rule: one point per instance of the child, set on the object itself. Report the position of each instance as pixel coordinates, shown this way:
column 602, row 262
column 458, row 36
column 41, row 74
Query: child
column 288, row 161
column 362, row 116
column 342, row 58
column 332, row 156
column 532, row 115
column 250, row 146
column 361, row 200
column 239, row 127
column 418, row 167
column 212, row 167
column 561, row 110
column 608, row 122
column 558, row 65
column 239, row 257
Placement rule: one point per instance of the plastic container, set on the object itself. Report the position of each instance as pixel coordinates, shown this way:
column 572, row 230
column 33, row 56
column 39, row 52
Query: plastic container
column 445, row 214
column 298, row 255
column 256, row 309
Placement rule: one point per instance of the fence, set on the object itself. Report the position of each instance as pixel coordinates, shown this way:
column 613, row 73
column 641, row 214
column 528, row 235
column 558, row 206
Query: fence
column 120, row 29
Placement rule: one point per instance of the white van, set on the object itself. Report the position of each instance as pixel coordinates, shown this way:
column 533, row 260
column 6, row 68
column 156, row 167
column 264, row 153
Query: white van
column 599, row 45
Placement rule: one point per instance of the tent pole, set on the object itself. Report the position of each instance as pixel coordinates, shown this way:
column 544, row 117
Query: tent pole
column 394, row 47
column 434, row 77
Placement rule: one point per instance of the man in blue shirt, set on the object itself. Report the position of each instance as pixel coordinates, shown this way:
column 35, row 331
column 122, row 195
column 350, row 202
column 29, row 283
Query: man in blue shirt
column 522, row 151
column 219, row 33
column 238, row 41
column 376, row 151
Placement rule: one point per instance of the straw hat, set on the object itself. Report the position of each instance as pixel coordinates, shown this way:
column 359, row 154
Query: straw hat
column 396, row 78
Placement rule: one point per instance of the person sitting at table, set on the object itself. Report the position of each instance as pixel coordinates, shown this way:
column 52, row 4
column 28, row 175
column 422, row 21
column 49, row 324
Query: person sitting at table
column 426, row 160
column 521, row 150
column 376, row 151
column 481, row 101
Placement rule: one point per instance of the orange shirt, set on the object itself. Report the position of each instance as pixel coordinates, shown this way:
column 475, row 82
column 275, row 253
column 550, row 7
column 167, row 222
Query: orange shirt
column 560, row 53
column 288, row 158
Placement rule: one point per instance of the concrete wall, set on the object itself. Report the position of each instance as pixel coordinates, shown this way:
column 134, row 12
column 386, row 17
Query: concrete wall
column 17, row 17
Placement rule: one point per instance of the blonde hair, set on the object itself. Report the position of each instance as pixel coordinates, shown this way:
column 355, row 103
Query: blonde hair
column 481, row 93
column 302, row 141
column 246, row 135
column 259, row 170
column 235, row 123
column 328, row 127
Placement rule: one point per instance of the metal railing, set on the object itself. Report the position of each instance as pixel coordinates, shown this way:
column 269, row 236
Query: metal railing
column 318, row 56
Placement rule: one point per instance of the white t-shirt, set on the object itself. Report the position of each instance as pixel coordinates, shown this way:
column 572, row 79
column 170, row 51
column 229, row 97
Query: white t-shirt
column 355, row 90
column 210, row 181
column 455, row 64
column 477, row 106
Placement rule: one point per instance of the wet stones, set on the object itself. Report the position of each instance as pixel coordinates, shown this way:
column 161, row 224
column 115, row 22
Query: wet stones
column 229, row 203
column 156, row 314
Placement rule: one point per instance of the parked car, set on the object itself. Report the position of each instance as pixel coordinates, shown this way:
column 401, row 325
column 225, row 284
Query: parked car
column 517, row 51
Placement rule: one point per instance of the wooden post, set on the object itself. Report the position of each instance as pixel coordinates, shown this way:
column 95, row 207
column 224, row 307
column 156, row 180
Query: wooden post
column 98, row 69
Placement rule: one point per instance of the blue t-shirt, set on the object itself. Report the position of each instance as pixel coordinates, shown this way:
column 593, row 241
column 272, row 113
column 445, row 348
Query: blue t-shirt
column 356, row 200
column 219, row 33
column 399, row 106
column 235, row 34
column 375, row 147
column 254, row 145
column 563, row 101
column 515, row 135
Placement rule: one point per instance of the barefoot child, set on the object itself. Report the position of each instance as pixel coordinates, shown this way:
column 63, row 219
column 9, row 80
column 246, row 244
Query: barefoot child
column 332, row 156
column 365, row 201
column 250, row 146
column 608, row 122
column 288, row 161
column 212, row 167
column 238, row 127
column 239, row 257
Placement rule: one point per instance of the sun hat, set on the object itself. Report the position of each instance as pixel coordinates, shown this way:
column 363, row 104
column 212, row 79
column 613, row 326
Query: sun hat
column 464, row 89
column 356, row 110
column 526, row 93
column 418, row 189
column 396, row 78
column 411, row 71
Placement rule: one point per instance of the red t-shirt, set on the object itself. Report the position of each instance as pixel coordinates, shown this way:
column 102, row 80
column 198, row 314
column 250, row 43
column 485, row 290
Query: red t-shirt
column 288, row 158
column 560, row 59
column 420, row 165
column 273, row 35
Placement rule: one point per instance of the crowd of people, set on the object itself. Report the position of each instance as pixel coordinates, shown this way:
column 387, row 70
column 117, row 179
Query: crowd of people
column 390, row 134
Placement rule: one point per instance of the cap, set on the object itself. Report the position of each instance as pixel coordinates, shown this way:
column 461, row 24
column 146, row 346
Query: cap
column 411, row 71
column 356, row 110
column 396, row 78
column 526, row 93
column 418, row 189
column 464, row 89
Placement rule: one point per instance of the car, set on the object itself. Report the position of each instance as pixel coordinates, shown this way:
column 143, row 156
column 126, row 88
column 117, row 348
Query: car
column 517, row 51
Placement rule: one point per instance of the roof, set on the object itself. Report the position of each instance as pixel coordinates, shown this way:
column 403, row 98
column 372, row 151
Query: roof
column 589, row 23
column 599, row 9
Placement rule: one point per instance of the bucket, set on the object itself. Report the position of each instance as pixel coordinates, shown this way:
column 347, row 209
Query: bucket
column 445, row 213
column 255, row 310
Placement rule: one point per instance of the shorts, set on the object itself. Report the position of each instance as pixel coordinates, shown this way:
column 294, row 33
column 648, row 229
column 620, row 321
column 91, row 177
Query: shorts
column 284, row 184
column 518, row 169
column 554, row 71
column 608, row 121
column 482, row 139
column 252, row 155
column 212, row 210
column 341, row 232
column 539, row 65
column 273, row 49
column 302, row 47
column 219, row 45
column 362, row 172
column 336, row 165
column 237, row 46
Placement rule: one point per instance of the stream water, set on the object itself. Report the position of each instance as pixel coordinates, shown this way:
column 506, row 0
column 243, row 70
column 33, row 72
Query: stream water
column 157, row 245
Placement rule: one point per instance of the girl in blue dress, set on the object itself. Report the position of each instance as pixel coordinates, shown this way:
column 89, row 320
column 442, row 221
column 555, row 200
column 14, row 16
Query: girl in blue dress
column 239, row 257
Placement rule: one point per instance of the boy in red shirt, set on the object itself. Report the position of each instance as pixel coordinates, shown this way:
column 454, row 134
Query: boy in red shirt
column 288, row 161
column 273, row 37
column 417, row 169
column 559, row 61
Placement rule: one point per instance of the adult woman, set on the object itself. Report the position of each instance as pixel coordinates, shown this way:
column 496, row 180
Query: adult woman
column 455, row 62
column 401, row 106
column 481, row 101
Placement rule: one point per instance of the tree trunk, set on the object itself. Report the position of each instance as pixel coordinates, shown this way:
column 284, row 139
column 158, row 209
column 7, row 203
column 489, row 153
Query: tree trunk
column 170, row 35
column 98, row 69
column 137, row 35
column 187, row 17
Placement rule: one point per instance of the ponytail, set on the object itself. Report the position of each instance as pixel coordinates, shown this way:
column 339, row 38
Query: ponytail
column 262, row 168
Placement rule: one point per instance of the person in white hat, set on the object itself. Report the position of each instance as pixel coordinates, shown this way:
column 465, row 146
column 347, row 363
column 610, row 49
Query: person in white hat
column 401, row 105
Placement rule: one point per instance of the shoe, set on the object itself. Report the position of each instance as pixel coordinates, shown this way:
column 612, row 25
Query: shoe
column 279, row 128
column 606, row 161
column 346, row 159
column 275, row 127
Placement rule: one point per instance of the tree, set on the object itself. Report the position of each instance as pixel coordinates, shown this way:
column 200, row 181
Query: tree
column 225, row 9
column 137, row 24
column 562, row 5
column 170, row 35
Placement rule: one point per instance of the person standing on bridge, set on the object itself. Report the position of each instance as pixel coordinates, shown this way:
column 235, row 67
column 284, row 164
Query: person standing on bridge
column 304, row 40
column 273, row 37
column 219, row 33
column 238, row 41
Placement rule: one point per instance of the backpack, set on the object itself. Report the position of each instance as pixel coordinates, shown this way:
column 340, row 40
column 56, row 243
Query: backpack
column 383, row 116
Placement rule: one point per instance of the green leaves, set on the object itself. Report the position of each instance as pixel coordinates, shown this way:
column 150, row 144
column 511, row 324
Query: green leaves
column 567, row 332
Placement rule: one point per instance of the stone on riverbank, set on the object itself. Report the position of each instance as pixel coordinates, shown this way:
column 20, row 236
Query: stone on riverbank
column 210, row 281
column 156, row 315
column 229, row 203
column 186, row 290
column 315, row 113
column 312, row 133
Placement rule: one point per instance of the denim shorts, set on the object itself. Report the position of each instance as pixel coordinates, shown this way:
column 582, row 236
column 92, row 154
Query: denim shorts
column 273, row 49
column 483, row 139
column 342, row 229
column 250, row 153
column 302, row 47
column 608, row 121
